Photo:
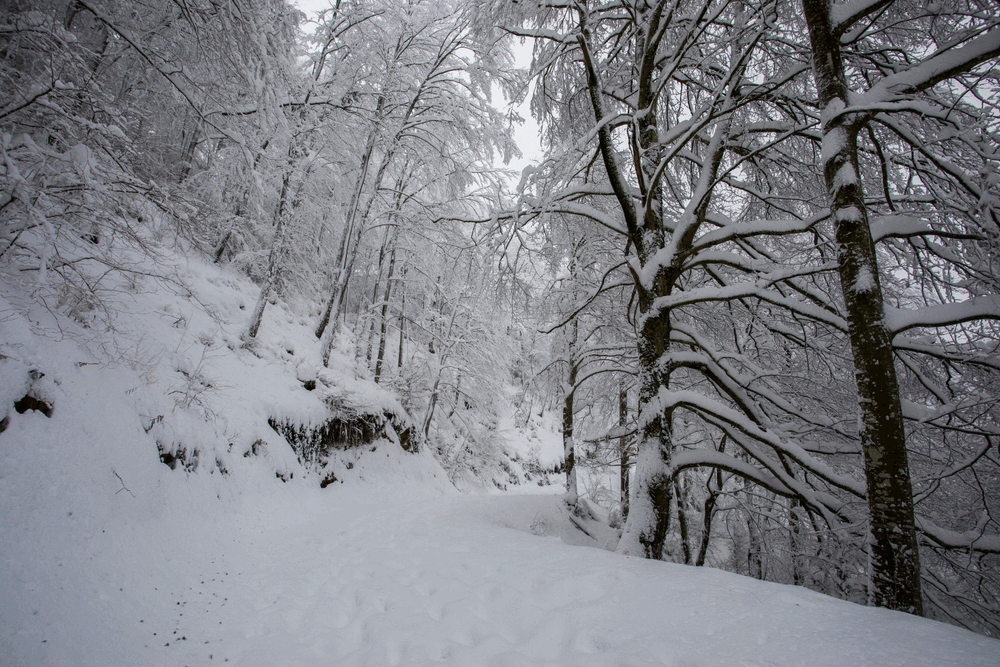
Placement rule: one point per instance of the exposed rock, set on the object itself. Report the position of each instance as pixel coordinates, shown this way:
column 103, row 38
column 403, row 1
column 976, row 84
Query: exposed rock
column 29, row 402
column 345, row 429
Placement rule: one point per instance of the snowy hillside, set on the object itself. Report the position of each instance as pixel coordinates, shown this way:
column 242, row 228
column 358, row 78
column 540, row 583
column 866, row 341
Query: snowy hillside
column 154, row 517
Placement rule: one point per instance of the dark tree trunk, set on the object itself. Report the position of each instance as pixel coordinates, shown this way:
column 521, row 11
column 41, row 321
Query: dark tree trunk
column 708, row 511
column 402, row 320
column 682, row 522
column 384, row 312
column 623, row 453
column 894, row 562
column 221, row 247
column 649, row 515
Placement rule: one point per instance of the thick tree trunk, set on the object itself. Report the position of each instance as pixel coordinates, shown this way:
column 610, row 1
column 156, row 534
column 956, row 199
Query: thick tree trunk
column 648, row 521
column 649, row 514
column 894, row 562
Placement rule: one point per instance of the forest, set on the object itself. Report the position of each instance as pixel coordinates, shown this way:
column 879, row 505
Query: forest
column 750, row 277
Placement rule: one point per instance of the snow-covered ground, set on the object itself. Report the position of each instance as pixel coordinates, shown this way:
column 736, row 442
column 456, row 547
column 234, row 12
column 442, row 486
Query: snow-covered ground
column 110, row 558
column 347, row 577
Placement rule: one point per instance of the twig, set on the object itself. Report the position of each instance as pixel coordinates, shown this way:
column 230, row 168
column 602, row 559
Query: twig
column 124, row 488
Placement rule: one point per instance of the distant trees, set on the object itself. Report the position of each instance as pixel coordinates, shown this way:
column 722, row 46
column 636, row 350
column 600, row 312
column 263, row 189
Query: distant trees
column 430, row 128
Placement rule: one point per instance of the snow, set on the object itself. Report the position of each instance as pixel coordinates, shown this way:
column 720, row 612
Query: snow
column 345, row 578
column 899, row 226
column 942, row 64
column 836, row 139
column 849, row 214
column 943, row 314
column 111, row 558
column 865, row 281
column 846, row 176
column 538, row 441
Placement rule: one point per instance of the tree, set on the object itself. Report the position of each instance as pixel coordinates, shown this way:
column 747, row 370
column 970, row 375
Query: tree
column 424, row 106
column 894, row 555
column 752, row 284
column 114, row 119
column 938, row 80
column 634, row 59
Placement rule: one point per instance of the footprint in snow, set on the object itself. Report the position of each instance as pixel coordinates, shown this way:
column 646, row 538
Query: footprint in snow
column 394, row 653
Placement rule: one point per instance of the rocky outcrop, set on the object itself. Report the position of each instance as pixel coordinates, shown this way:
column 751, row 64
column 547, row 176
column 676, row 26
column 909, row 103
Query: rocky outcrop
column 344, row 429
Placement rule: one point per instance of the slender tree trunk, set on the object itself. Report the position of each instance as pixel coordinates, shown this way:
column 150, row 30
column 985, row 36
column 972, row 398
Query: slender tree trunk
column 893, row 555
column 187, row 154
column 402, row 320
column 341, row 272
column 273, row 259
column 708, row 512
column 623, row 453
column 431, row 405
column 221, row 247
column 324, row 319
column 755, row 542
column 384, row 314
column 342, row 269
column 680, row 485
column 569, row 446
column 795, row 541
column 436, row 390
column 708, row 515
column 374, row 302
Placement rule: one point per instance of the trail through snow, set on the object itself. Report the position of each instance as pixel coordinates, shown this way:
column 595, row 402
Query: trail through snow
column 108, row 558
column 341, row 578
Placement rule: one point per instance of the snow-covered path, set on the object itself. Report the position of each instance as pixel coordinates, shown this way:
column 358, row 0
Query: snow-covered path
column 338, row 578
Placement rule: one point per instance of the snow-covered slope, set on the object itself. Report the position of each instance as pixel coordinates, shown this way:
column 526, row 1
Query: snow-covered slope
column 109, row 557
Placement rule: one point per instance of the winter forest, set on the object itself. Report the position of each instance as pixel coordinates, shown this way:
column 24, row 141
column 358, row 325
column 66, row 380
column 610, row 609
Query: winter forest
column 739, row 294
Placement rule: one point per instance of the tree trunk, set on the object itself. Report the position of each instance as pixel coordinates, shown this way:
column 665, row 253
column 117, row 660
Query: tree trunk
column 708, row 511
column 402, row 320
column 894, row 561
column 273, row 259
column 569, row 446
column 375, row 291
column 384, row 313
column 221, row 247
column 708, row 514
column 623, row 454
column 680, row 485
column 649, row 514
column 648, row 522
column 341, row 273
